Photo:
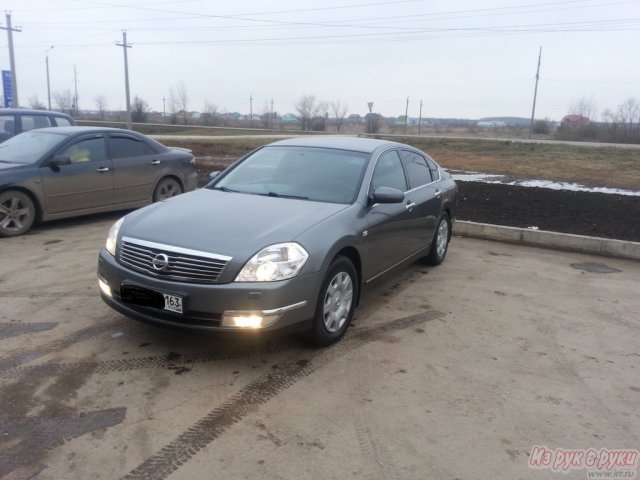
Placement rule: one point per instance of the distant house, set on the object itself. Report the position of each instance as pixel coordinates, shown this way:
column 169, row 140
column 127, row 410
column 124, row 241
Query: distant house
column 575, row 120
column 491, row 124
column 289, row 118
column 354, row 118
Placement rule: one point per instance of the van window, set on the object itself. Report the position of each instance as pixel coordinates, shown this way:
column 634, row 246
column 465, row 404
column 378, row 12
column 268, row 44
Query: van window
column 62, row 122
column 31, row 122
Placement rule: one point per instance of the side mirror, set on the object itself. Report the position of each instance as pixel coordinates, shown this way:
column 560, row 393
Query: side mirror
column 387, row 195
column 60, row 160
column 213, row 175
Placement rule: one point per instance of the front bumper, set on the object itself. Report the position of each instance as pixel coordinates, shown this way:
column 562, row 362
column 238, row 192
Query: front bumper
column 287, row 303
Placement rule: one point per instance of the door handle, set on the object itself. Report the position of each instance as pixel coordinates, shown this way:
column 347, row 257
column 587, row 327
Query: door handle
column 409, row 206
column 155, row 162
column 438, row 193
column 102, row 169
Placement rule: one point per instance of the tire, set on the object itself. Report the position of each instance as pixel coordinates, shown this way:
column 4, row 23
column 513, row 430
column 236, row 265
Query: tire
column 167, row 187
column 440, row 243
column 17, row 213
column 336, row 303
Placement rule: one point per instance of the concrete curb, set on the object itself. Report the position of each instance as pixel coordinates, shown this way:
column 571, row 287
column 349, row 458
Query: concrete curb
column 542, row 238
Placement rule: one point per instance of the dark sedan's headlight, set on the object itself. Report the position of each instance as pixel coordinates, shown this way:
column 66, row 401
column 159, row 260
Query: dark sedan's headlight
column 276, row 262
column 112, row 237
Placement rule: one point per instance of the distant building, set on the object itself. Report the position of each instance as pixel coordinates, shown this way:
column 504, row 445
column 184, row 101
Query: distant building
column 575, row 120
column 354, row 118
column 491, row 124
column 289, row 118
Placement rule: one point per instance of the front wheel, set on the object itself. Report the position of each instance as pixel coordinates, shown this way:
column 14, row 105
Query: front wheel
column 166, row 188
column 336, row 303
column 440, row 242
column 17, row 213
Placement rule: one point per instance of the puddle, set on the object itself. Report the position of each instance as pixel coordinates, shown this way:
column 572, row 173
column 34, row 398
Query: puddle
column 462, row 176
column 595, row 267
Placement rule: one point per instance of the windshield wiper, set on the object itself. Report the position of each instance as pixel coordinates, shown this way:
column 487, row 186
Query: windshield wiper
column 282, row 195
column 226, row 189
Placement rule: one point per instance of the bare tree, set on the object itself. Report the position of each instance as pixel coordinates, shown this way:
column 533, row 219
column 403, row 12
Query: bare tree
column 340, row 111
column 183, row 99
column 140, row 110
column 64, row 100
column 307, row 109
column 173, row 106
column 101, row 104
column 36, row 104
column 585, row 107
column 623, row 124
column 210, row 111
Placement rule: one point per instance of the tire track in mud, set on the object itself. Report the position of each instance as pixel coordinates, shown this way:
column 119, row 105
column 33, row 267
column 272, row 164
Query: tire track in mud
column 34, row 353
column 258, row 392
column 13, row 329
column 382, row 293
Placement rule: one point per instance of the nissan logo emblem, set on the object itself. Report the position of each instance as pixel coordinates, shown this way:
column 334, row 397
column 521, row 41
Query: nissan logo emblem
column 160, row 262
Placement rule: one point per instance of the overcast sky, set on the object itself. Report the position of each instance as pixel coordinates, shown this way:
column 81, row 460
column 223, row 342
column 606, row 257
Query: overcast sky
column 462, row 58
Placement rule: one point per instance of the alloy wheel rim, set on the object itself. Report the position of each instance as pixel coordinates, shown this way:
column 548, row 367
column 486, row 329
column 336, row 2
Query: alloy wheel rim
column 167, row 191
column 443, row 236
column 337, row 302
column 13, row 213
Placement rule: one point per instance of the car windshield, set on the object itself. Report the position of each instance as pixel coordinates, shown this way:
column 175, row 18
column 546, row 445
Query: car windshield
column 308, row 173
column 28, row 147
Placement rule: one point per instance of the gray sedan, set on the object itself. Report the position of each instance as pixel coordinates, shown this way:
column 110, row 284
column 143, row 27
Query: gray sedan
column 288, row 236
column 54, row 173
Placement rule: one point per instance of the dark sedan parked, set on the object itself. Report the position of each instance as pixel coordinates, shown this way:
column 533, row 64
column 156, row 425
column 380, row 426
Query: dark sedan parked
column 60, row 172
column 286, row 237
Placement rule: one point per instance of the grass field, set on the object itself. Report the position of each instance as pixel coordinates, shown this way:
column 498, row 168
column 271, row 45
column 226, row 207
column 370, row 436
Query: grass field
column 592, row 166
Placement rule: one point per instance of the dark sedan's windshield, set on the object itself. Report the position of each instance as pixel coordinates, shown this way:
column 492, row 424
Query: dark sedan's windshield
column 309, row 173
column 28, row 147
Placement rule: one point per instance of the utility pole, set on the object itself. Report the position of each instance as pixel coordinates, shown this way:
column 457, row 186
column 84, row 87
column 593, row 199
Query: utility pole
column 406, row 116
column 370, row 105
column 251, row 110
column 164, row 103
column 535, row 94
column 12, row 61
column 46, row 57
column 75, row 98
column 420, row 118
column 124, row 46
column 271, row 114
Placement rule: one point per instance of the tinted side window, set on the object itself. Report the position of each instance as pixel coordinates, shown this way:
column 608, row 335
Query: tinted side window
column 62, row 122
column 90, row 150
column 7, row 124
column 389, row 173
column 416, row 167
column 433, row 168
column 31, row 122
column 128, row 147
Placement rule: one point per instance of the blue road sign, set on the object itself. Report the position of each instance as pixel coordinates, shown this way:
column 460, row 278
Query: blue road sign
column 6, row 86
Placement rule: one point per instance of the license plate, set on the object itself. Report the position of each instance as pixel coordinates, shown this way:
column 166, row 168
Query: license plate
column 173, row 303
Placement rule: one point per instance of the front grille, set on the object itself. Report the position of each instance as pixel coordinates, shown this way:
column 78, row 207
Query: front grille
column 173, row 263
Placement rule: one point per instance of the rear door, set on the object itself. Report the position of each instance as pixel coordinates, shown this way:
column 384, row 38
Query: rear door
column 424, row 193
column 136, row 168
column 86, row 183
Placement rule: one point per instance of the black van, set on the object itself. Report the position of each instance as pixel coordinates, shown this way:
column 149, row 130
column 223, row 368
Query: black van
column 17, row 120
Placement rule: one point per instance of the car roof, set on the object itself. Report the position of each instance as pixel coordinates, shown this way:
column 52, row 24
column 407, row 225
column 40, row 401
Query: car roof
column 356, row 144
column 5, row 111
column 74, row 130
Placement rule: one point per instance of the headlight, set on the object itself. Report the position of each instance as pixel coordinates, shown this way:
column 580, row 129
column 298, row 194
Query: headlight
column 112, row 237
column 277, row 262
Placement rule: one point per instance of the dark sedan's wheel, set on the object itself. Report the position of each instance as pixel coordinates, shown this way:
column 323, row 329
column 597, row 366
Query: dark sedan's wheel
column 336, row 303
column 166, row 188
column 17, row 213
column 440, row 242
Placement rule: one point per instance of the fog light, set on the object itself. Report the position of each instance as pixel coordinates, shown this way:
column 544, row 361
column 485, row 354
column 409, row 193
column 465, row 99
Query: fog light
column 244, row 319
column 105, row 288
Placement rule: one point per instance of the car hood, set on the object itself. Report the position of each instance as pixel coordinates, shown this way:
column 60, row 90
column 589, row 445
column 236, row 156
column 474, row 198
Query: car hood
column 226, row 223
column 10, row 166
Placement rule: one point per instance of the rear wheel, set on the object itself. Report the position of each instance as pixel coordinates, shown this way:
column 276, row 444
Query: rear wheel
column 17, row 213
column 336, row 303
column 166, row 188
column 440, row 242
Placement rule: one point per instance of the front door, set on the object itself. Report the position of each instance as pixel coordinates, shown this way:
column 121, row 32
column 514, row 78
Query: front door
column 85, row 183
